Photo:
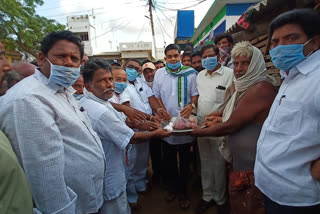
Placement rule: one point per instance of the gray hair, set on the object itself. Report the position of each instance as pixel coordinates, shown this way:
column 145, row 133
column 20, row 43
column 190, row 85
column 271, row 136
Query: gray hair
column 12, row 77
column 243, row 48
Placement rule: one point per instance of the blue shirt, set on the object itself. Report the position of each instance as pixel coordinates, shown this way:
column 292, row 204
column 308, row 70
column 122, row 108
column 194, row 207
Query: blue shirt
column 290, row 138
column 61, row 155
column 115, row 136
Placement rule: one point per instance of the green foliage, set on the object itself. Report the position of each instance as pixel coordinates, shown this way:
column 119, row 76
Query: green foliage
column 22, row 28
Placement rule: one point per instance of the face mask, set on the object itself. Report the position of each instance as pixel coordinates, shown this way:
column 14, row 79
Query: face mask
column 62, row 75
column 120, row 86
column 150, row 84
column 286, row 57
column 210, row 63
column 132, row 74
column 78, row 96
column 174, row 66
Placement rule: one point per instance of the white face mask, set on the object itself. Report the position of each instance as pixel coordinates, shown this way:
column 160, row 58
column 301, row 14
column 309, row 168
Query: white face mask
column 62, row 75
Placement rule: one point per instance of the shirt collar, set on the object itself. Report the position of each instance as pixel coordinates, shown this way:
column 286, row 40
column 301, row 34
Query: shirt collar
column 52, row 86
column 311, row 63
column 219, row 71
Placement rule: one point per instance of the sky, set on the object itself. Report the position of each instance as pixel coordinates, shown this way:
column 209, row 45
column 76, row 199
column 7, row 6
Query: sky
column 124, row 20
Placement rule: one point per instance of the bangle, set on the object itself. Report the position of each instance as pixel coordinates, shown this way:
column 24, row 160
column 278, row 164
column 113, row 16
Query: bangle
column 150, row 118
column 193, row 105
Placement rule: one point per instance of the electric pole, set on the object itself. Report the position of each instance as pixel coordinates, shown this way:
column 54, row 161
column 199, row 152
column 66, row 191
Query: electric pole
column 152, row 29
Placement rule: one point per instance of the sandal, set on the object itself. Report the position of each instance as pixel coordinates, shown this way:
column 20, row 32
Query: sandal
column 184, row 202
column 203, row 206
column 170, row 197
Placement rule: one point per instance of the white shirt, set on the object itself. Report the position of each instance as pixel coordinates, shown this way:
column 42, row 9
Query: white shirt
column 165, row 86
column 115, row 136
column 138, row 96
column 212, row 89
column 55, row 144
column 290, row 138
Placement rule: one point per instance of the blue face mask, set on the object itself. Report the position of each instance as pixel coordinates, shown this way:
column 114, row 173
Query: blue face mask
column 120, row 86
column 78, row 96
column 132, row 74
column 62, row 75
column 286, row 57
column 210, row 63
column 174, row 66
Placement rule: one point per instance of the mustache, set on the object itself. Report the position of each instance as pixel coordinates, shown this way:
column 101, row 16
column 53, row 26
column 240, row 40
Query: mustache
column 108, row 89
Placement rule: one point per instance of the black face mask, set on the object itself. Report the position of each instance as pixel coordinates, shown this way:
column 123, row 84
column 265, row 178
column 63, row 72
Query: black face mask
column 199, row 69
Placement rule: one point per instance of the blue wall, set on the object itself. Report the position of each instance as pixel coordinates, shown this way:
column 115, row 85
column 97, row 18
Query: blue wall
column 185, row 24
column 237, row 9
column 220, row 29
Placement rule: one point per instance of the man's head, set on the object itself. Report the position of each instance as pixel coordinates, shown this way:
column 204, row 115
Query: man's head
column 115, row 63
column 78, row 85
column 159, row 64
column 25, row 69
column 241, row 53
column 133, row 69
column 85, row 59
column 196, row 62
column 210, row 57
column 148, row 70
column 223, row 40
column 296, row 27
column 61, row 48
column 98, row 78
column 172, row 53
column 120, row 79
column 4, row 63
column 186, row 59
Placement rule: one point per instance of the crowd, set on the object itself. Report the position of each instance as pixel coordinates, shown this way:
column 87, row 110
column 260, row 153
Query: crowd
column 77, row 134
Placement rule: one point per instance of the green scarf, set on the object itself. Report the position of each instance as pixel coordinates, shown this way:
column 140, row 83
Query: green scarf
column 184, row 72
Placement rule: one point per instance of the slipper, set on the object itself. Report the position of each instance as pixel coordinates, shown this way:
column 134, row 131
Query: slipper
column 184, row 202
column 170, row 196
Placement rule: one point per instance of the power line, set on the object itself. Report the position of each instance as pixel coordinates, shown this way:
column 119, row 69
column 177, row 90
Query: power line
column 170, row 9
column 141, row 30
column 166, row 17
column 163, row 27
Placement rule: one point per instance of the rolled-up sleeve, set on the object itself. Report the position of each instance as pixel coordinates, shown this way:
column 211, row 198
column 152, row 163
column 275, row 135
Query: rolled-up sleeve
column 194, row 89
column 39, row 146
column 125, row 97
column 112, row 129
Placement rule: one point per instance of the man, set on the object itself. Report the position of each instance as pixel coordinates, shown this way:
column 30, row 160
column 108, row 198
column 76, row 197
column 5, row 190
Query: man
column 15, row 195
column 241, row 121
column 78, row 85
column 85, row 59
column 148, row 70
column 139, row 95
column 159, row 64
column 25, row 69
column 113, row 132
column 174, row 98
column 212, row 84
column 196, row 62
column 120, row 82
column 288, row 146
column 115, row 63
column 10, row 79
column 225, row 43
column 51, row 135
column 186, row 59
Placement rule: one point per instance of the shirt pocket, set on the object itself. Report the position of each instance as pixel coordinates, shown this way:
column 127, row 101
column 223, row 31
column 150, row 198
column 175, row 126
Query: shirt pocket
column 287, row 118
column 219, row 95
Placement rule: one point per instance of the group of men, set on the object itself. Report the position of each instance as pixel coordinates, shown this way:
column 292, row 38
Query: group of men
column 80, row 143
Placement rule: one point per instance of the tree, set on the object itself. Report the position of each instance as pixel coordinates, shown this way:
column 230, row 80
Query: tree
column 22, row 28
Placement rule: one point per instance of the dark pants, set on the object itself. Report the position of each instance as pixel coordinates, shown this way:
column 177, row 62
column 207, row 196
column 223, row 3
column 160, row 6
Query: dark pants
column 275, row 208
column 176, row 173
column 156, row 156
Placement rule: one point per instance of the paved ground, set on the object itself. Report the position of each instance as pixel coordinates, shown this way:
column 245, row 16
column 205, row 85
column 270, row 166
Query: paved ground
column 153, row 202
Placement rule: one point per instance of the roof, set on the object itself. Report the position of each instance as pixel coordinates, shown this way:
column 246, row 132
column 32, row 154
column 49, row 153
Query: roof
column 212, row 12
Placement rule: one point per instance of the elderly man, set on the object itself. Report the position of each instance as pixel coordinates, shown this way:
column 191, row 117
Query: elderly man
column 5, row 66
column 112, row 130
column 51, row 135
column 225, row 43
column 287, row 162
column 173, row 98
column 148, row 70
column 212, row 84
column 242, row 120
column 120, row 83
